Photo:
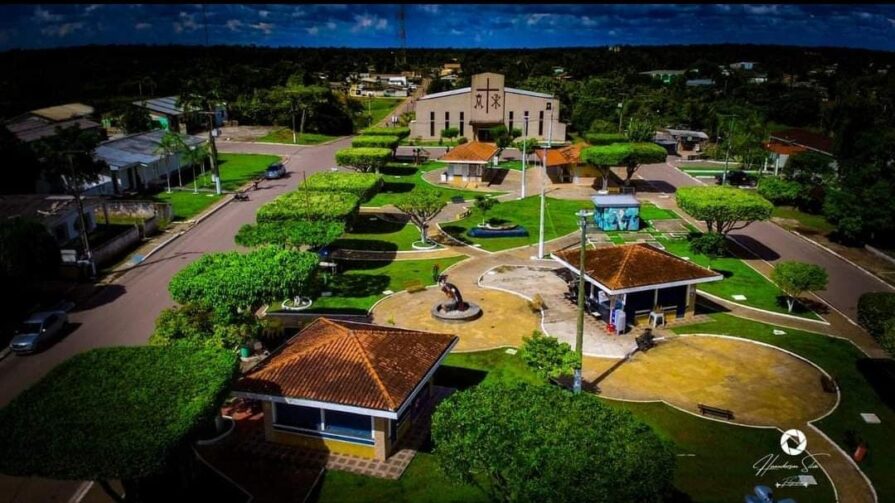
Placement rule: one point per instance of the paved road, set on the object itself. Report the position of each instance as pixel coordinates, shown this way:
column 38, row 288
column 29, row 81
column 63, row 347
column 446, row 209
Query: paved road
column 771, row 242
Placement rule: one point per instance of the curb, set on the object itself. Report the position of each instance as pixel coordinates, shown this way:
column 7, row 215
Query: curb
column 5, row 353
column 772, row 313
column 212, row 211
column 836, row 254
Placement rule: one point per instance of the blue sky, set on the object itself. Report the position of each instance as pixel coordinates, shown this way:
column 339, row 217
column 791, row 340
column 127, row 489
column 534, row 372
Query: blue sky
column 442, row 25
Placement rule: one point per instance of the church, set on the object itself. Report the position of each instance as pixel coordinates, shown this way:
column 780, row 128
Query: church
column 485, row 104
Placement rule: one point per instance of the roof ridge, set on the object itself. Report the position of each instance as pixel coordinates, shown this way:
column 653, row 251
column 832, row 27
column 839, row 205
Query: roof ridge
column 624, row 264
column 371, row 370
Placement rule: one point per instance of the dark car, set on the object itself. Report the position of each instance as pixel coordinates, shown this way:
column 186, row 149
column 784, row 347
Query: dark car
column 275, row 170
column 737, row 178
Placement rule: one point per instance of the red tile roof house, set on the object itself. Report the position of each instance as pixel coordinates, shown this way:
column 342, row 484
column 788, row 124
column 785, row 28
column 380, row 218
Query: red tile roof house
column 787, row 142
column 346, row 387
column 469, row 162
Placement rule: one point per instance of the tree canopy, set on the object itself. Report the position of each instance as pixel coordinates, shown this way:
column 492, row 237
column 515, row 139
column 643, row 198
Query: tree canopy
column 27, row 250
column 383, row 141
column 68, row 157
column 113, row 413
column 548, row 356
column 723, row 208
column 542, row 443
column 363, row 159
column 421, row 205
column 400, row 132
column 309, row 205
column 605, row 138
column 795, row 278
column 291, row 233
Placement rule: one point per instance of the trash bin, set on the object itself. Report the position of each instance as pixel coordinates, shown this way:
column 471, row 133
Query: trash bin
column 620, row 321
column 245, row 351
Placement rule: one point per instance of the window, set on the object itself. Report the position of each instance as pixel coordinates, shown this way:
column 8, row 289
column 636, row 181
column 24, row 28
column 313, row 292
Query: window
column 549, row 105
column 541, row 123
column 431, row 123
column 510, row 126
column 346, row 424
column 461, row 123
column 447, row 120
column 525, row 119
column 296, row 416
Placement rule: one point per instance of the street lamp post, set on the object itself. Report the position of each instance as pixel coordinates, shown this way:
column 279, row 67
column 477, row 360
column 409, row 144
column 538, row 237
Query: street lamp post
column 544, row 188
column 77, row 194
column 583, row 215
column 727, row 157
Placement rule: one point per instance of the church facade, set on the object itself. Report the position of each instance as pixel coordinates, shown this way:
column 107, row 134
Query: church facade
column 485, row 104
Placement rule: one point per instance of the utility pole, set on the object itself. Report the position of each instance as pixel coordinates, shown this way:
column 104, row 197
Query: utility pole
column 727, row 157
column 544, row 188
column 294, row 139
column 621, row 111
column 77, row 195
column 579, row 333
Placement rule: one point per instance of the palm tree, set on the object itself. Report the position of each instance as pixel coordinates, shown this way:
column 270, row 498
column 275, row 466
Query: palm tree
column 193, row 156
column 202, row 96
column 171, row 144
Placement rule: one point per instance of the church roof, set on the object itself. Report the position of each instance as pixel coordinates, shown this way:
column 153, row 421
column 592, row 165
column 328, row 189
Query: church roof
column 464, row 90
column 350, row 364
column 473, row 152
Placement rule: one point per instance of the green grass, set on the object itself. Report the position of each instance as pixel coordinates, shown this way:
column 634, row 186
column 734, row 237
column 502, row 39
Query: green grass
column 379, row 235
column 649, row 211
column 707, row 166
column 380, row 108
column 284, row 135
column 360, row 283
column 559, row 220
column 399, row 179
column 739, row 278
column 515, row 165
column 866, row 385
column 814, row 224
column 186, row 204
column 237, row 170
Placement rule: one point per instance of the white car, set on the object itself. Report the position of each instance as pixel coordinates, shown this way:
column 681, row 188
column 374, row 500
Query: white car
column 38, row 329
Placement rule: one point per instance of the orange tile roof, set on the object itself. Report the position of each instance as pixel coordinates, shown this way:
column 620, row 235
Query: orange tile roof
column 805, row 138
column 347, row 363
column 472, row 152
column 783, row 148
column 560, row 156
column 635, row 265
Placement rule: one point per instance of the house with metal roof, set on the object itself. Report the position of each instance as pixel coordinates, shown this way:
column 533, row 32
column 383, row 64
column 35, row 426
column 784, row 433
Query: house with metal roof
column 346, row 387
column 173, row 117
column 42, row 123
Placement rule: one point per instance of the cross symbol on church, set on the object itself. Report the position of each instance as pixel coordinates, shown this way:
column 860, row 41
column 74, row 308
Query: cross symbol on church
column 488, row 90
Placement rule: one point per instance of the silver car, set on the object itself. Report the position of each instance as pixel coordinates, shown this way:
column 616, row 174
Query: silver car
column 38, row 329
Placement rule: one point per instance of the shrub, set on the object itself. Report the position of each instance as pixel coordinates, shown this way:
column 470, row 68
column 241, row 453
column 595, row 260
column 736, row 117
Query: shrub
column 362, row 185
column 363, row 159
column 875, row 309
column 605, row 138
column 461, row 140
column 548, row 356
column 780, row 191
column 723, row 208
column 309, row 205
column 389, row 142
column 400, row 132
column 292, row 233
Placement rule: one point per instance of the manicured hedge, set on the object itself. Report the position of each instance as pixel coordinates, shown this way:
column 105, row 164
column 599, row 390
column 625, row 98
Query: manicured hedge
column 364, row 159
column 875, row 309
column 400, row 132
column 389, row 142
column 309, row 205
column 294, row 233
column 362, row 185
column 113, row 413
column 605, row 138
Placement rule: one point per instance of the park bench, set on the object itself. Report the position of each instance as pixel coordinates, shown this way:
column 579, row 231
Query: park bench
column 715, row 411
column 828, row 384
column 414, row 286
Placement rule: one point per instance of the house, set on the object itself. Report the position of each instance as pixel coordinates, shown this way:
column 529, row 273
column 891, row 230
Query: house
column 57, row 213
column 564, row 166
column 787, row 142
column 744, row 65
column 42, row 123
column 475, row 110
column 666, row 76
column 637, row 280
column 173, row 117
column 470, row 162
column 700, row 82
column 453, row 68
column 687, row 144
column 346, row 387
column 136, row 162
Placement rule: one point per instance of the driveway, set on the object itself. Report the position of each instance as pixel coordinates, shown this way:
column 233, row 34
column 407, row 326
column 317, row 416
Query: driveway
column 772, row 243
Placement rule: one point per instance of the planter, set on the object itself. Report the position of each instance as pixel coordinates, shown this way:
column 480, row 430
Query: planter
column 499, row 227
column 297, row 304
column 428, row 245
column 224, row 426
column 479, row 232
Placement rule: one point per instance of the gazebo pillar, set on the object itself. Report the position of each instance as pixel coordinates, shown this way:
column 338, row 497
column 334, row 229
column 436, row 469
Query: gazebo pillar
column 381, row 443
column 690, row 308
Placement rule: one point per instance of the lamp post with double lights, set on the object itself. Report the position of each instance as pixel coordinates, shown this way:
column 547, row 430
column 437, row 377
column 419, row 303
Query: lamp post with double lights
column 582, row 215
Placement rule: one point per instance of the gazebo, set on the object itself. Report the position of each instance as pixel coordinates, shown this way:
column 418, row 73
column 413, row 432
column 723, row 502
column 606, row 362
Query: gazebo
column 639, row 280
column 469, row 162
column 346, row 387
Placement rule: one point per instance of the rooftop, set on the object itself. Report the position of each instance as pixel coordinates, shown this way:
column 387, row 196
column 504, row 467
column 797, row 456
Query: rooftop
column 350, row 364
column 805, row 138
column 140, row 148
column 464, row 90
column 783, row 148
column 473, row 152
column 64, row 112
column 635, row 267
column 30, row 128
column 38, row 207
column 615, row 201
column 677, row 133
column 560, row 156
column 166, row 105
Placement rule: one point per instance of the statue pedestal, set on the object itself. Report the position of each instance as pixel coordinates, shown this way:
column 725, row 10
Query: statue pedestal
column 440, row 312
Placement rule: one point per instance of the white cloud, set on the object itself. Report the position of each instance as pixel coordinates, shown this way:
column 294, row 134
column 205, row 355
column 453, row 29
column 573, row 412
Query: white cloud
column 366, row 21
column 330, row 25
column 892, row 21
column 45, row 16
column 298, row 12
column 142, row 26
column 186, row 22
column 455, row 31
column 62, row 30
column 533, row 19
column 431, row 8
column 382, row 24
column 92, row 7
column 264, row 13
column 233, row 24
column 266, row 28
column 760, row 9
column 588, row 21
column 313, row 30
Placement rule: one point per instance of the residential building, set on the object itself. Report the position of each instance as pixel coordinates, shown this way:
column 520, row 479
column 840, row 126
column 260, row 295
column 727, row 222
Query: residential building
column 485, row 104
column 744, row 65
column 346, row 387
column 57, row 213
column 700, row 82
column 42, row 123
column 564, row 166
column 782, row 144
column 453, row 68
column 666, row 76
column 687, row 144
column 173, row 117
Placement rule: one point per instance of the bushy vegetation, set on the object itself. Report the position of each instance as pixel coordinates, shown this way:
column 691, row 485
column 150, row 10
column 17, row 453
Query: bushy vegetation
column 290, row 233
column 605, row 138
column 723, row 208
column 875, row 310
column 400, row 132
column 548, row 357
column 309, row 205
column 779, row 190
column 364, row 159
column 389, row 142
column 795, row 278
column 362, row 185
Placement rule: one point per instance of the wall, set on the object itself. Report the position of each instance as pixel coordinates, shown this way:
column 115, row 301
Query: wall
column 309, row 442
column 454, row 104
column 135, row 208
column 116, row 246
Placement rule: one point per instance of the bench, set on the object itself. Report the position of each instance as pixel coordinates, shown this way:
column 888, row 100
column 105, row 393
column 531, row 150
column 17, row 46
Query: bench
column 414, row 286
column 715, row 411
column 828, row 384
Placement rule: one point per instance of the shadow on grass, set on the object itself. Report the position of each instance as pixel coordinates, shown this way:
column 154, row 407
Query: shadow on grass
column 880, row 374
column 803, row 306
column 366, row 224
column 398, row 170
column 460, row 378
column 365, row 245
column 358, row 285
column 396, row 188
column 457, row 232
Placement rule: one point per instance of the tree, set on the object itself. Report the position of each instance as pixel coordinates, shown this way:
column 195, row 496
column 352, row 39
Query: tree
column 711, row 244
column 548, row 356
column 605, row 138
column 603, row 157
column 875, row 309
column 198, row 325
column 640, row 130
column 291, row 233
column 504, row 137
column 422, row 206
column 135, row 119
column 193, row 156
column 120, row 413
column 809, row 168
column 484, row 204
column 171, row 144
column 723, row 208
column 233, row 282
column 795, row 278
column 542, row 443
column 780, row 191
column 296, row 96
column 202, row 96
column 639, row 154
column 27, row 251
column 450, row 133
column 363, row 160
column 15, row 152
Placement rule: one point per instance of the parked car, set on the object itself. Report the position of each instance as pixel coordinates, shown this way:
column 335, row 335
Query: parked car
column 38, row 329
column 737, row 178
column 275, row 170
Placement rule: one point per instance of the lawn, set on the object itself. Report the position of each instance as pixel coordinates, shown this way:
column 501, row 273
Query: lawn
column 649, row 211
column 360, row 283
column 814, row 224
column 739, row 278
column 559, row 220
column 373, row 233
column 715, row 463
column 866, row 385
column 237, row 170
column 401, row 178
column 380, row 108
column 187, row 204
column 284, row 135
